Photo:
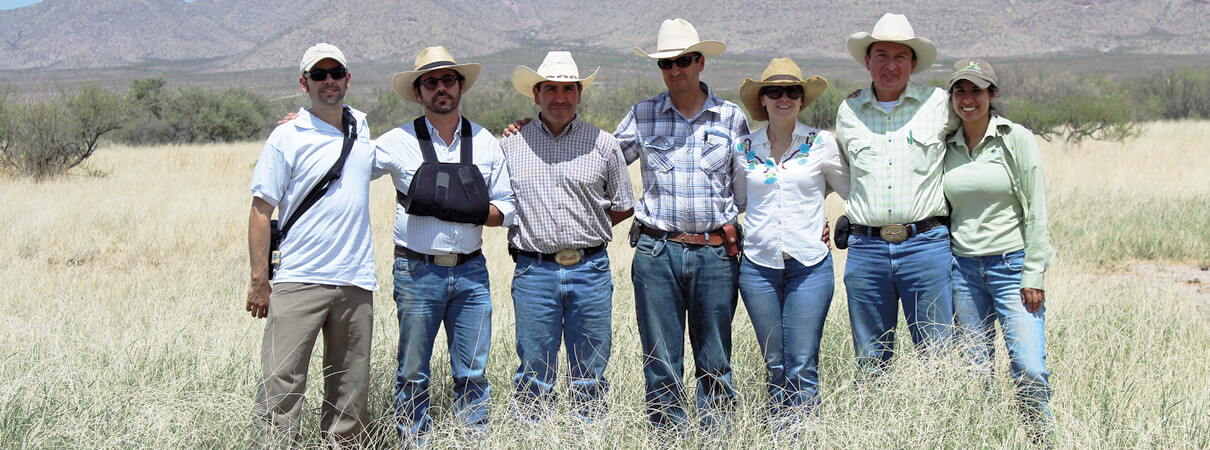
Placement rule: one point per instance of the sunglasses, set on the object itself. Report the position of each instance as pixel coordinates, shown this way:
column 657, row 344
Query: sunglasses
column 682, row 62
column 775, row 92
column 337, row 73
column 448, row 80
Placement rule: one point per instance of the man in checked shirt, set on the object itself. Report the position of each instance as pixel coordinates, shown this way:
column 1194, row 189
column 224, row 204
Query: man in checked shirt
column 572, row 187
column 683, row 273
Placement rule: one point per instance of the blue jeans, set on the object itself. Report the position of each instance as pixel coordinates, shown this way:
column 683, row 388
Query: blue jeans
column 916, row 272
column 555, row 303
column 988, row 288
column 427, row 296
column 788, row 307
column 674, row 282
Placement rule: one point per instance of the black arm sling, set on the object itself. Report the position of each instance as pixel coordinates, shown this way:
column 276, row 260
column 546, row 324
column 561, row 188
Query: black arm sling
column 348, row 125
column 453, row 192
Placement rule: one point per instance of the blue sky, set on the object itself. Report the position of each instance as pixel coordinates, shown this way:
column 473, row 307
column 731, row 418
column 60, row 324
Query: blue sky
column 14, row 4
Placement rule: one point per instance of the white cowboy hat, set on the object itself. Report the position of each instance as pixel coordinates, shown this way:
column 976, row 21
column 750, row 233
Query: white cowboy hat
column 894, row 28
column 678, row 37
column 558, row 67
column 781, row 72
column 430, row 59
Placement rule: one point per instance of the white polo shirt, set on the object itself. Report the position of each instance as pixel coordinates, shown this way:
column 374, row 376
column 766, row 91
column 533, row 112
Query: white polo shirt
column 785, row 212
column 330, row 244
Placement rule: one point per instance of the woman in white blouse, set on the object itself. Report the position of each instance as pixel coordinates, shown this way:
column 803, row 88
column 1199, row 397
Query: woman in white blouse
column 786, row 275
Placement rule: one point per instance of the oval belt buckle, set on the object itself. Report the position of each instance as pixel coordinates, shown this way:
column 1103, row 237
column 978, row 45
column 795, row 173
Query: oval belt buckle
column 567, row 257
column 893, row 233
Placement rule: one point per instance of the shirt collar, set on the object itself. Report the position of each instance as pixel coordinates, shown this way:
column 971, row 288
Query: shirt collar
column 308, row 121
column 997, row 127
column 436, row 135
column 712, row 103
column 566, row 130
column 762, row 137
column 913, row 92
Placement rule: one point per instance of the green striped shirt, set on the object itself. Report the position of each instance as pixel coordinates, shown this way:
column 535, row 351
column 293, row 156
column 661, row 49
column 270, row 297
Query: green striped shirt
column 895, row 158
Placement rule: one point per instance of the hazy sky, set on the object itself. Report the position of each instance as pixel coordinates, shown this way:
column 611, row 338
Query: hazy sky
column 14, row 4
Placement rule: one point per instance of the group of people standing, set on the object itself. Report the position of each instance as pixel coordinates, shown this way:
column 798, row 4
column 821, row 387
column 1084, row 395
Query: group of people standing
column 945, row 214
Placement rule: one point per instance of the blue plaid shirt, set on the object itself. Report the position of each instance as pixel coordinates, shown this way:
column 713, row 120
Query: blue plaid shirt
column 687, row 166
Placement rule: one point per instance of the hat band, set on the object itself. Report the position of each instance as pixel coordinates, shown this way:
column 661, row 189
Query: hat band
column 782, row 77
column 434, row 65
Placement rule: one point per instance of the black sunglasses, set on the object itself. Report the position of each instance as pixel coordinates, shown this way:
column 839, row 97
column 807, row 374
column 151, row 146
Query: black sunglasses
column 774, row 92
column 337, row 73
column 682, row 62
column 448, row 80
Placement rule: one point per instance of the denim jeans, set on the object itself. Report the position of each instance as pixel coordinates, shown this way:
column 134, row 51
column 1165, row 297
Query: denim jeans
column 556, row 304
column 916, row 272
column 988, row 288
column 675, row 284
column 788, row 307
column 428, row 295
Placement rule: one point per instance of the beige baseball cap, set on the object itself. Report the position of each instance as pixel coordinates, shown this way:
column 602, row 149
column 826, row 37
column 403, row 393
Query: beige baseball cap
column 320, row 52
column 975, row 70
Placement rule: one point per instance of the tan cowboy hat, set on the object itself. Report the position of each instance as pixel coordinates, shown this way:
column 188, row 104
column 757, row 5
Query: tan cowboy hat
column 894, row 28
column 678, row 37
column 430, row 59
column 781, row 72
column 557, row 67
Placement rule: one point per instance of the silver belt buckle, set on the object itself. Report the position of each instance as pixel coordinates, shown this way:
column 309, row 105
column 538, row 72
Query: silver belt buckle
column 894, row 233
column 567, row 257
column 445, row 260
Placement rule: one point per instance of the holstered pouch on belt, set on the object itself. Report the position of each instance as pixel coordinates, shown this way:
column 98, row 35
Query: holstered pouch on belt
column 636, row 230
column 274, row 250
column 840, row 236
column 731, row 240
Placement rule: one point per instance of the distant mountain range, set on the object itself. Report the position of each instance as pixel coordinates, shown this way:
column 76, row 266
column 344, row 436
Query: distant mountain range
column 247, row 34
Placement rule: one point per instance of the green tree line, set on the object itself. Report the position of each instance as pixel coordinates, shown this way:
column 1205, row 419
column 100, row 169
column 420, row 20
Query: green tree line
column 47, row 137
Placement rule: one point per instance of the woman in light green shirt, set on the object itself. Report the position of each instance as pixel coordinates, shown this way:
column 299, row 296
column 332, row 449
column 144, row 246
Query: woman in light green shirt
column 995, row 185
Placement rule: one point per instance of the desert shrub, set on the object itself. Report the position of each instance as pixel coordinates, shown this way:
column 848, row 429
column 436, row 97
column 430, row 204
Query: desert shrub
column 1182, row 94
column 1058, row 104
column 194, row 114
column 45, row 138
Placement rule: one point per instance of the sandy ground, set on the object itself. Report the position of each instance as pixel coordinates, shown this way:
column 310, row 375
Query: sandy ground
column 1194, row 280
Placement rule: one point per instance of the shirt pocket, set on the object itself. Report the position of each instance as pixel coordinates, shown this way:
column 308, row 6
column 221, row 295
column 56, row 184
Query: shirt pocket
column 925, row 154
column 861, row 156
column 715, row 158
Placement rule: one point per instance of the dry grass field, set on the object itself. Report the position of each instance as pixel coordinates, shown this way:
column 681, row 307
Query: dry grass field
column 122, row 322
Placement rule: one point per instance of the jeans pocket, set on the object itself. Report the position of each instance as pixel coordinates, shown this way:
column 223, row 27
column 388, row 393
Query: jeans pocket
column 523, row 268
column 600, row 264
column 404, row 266
column 1015, row 261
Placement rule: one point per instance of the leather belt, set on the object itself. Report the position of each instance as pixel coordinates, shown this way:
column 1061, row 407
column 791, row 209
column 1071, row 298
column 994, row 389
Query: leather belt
column 567, row 257
column 451, row 260
column 712, row 238
column 896, row 233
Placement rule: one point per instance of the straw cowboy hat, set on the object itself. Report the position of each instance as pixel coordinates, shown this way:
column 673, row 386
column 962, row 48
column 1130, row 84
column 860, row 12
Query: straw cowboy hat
column 557, row 67
column 894, row 28
column 678, row 37
column 430, row 59
column 781, row 72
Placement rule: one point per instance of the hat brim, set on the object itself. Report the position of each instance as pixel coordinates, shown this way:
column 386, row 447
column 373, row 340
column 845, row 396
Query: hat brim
column 402, row 81
column 708, row 49
column 977, row 81
column 749, row 93
column 525, row 78
column 926, row 52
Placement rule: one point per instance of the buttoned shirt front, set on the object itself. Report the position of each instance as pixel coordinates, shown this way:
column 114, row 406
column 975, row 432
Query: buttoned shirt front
column 895, row 158
column 687, row 164
column 785, row 213
column 565, row 186
column 398, row 152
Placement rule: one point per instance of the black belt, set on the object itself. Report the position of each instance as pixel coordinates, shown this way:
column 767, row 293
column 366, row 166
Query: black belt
column 451, row 260
column 897, row 233
column 585, row 252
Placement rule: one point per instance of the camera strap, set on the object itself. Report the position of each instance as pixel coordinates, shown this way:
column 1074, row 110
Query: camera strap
column 348, row 126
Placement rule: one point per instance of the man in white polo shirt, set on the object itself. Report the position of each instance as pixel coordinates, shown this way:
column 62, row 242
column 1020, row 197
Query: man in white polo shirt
column 325, row 278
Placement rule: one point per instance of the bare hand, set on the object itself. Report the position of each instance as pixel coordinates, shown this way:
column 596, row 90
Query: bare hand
column 258, row 298
column 855, row 93
column 1032, row 298
column 516, row 127
column 289, row 117
column 826, row 231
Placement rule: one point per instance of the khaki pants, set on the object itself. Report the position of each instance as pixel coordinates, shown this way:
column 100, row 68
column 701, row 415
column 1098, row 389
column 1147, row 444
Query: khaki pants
column 297, row 313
